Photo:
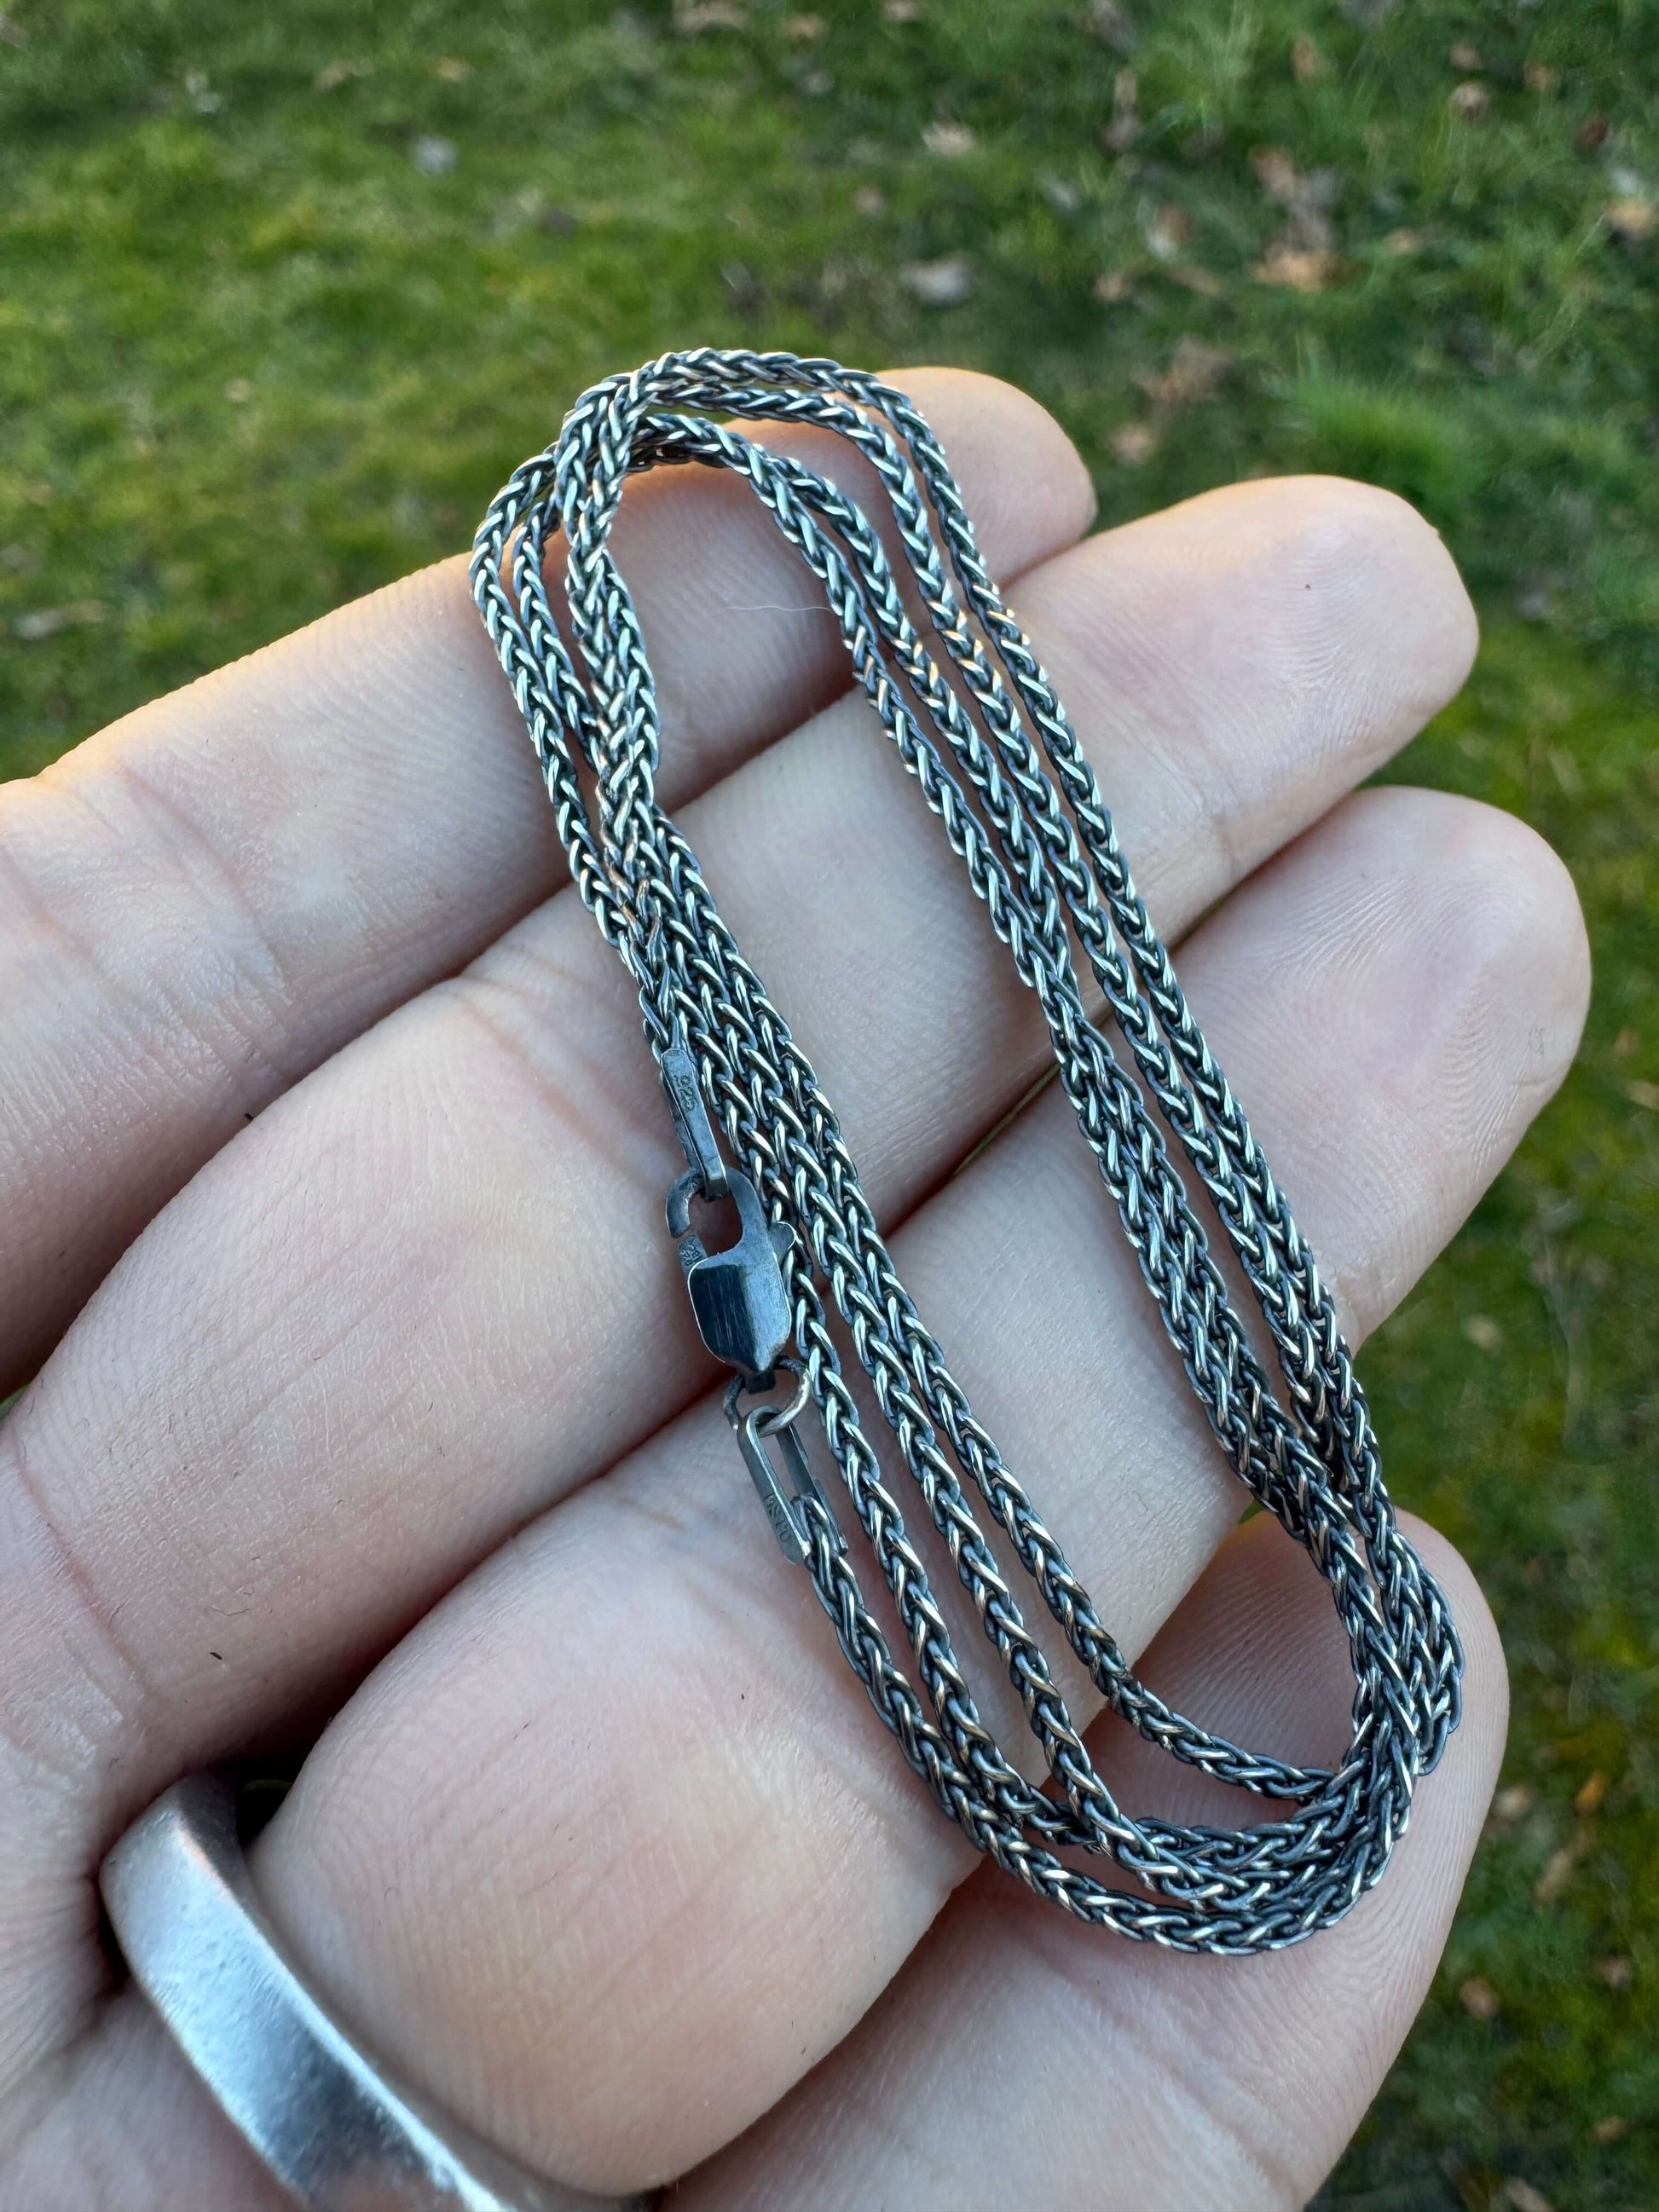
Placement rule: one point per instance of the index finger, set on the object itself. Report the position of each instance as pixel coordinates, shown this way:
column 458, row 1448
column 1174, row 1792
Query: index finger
column 205, row 902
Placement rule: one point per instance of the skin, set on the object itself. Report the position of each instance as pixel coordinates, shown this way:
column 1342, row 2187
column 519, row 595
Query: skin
column 367, row 1405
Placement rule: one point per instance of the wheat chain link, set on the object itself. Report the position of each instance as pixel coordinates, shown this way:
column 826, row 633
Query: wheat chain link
column 1002, row 770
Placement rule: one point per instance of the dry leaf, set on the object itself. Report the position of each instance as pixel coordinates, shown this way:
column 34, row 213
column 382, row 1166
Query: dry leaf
column 1469, row 100
column 1521, row 2196
column 1195, row 374
column 1538, row 76
column 1593, row 133
column 1591, row 1792
column 1105, row 20
column 901, row 11
column 802, row 30
column 46, row 622
column 239, row 390
column 691, row 16
column 1276, row 172
column 1632, row 219
column 943, row 283
column 1614, row 1973
column 1402, row 243
column 1479, row 1999
column 198, row 90
column 452, row 69
column 1299, row 269
column 1204, row 282
column 333, row 75
column 1483, row 1331
column 1608, row 2129
column 1307, row 197
column 1628, row 1042
column 1306, row 61
column 949, row 140
column 1124, row 127
column 1170, row 229
column 1645, row 1095
column 1113, row 286
column 870, row 200
column 1465, row 56
column 1515, row 1802
column 1559, row 1873
column 1132, row 444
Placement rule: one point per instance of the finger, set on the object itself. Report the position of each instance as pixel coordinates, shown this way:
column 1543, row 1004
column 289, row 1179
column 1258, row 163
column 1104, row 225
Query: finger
column 617, row 1813
column 206, row 901
column 123, row 2121
column 426, row 1294
column 1019, row 2059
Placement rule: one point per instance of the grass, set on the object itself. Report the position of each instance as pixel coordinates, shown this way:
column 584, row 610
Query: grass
column 283, row 294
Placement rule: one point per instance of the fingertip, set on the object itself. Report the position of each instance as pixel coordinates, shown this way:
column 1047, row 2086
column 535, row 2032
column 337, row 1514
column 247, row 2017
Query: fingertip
column 1343, row 588
column 1508, row 942
column 1478, row 1745
column 1403, row 563
column 1529, row 887
column 1437, row 946
column 1034, row 496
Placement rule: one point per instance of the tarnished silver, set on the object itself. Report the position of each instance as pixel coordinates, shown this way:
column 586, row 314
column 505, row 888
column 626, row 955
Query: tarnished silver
column 332, row 2124
column 998, row 763
column 686, row 1104
column 786, row 1497
column 738, row 1295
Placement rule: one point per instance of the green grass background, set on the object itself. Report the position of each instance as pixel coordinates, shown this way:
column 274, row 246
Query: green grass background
column 284, row 292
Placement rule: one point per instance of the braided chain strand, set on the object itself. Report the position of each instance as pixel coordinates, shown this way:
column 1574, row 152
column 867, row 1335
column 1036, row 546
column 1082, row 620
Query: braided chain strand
column 1018, row 803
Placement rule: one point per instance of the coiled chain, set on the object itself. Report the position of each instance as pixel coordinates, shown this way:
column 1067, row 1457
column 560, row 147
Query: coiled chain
column 1008, row 781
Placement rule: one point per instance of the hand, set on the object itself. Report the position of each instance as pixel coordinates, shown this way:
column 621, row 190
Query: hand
column 333, row 1163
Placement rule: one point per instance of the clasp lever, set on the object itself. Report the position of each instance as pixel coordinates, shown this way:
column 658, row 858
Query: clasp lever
column 786, row 1496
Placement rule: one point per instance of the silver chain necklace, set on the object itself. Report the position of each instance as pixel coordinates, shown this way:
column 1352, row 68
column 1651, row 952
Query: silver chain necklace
column 809, row 1275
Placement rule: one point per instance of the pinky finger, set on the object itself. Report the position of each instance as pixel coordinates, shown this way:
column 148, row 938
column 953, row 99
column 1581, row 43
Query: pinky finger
column 1021, row 2061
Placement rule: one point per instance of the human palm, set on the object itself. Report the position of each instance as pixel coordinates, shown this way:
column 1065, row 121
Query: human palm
column 366, row 1386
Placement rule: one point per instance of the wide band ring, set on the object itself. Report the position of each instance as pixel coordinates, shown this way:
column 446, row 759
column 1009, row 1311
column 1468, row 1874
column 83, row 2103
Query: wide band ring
column 330, row 2121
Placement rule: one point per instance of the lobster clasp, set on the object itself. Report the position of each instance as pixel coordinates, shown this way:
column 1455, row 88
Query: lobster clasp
column 739, row 1296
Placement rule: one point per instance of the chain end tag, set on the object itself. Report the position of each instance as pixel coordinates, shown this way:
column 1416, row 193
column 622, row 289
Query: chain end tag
column 691, row 1123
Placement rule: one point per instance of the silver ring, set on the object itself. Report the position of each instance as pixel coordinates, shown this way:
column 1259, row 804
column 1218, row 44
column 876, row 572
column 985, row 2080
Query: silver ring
column 333, row 2125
